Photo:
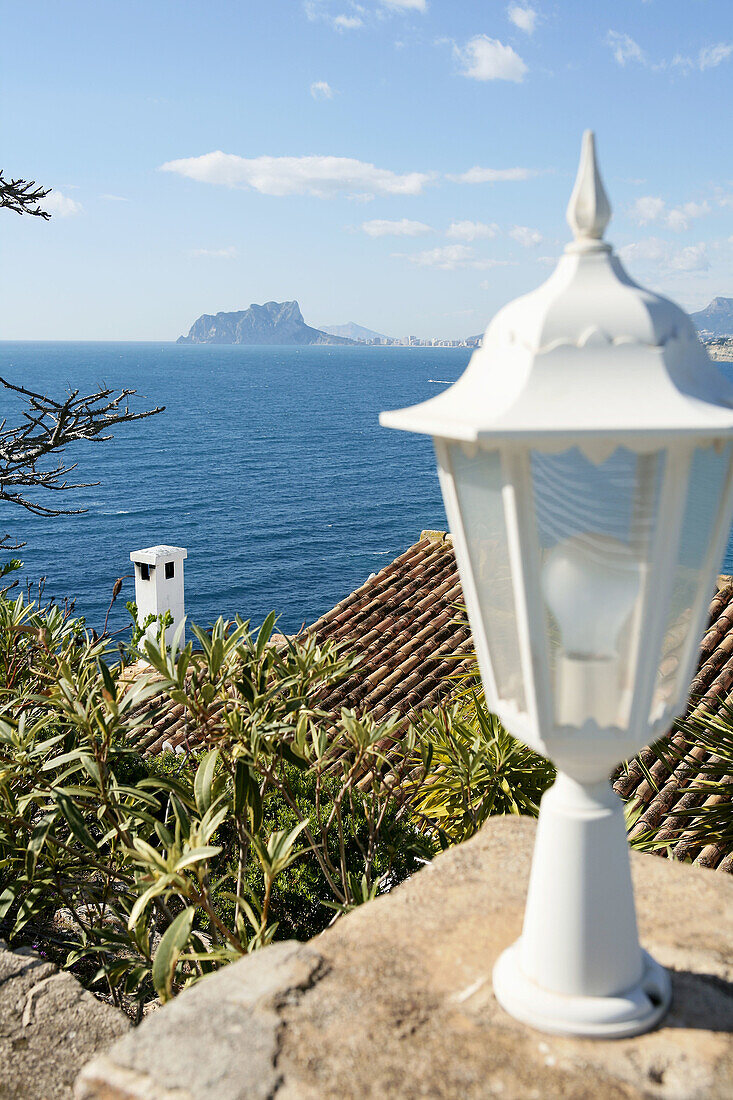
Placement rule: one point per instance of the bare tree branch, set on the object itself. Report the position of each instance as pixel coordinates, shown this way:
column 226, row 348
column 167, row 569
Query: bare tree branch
column 6, row 544
column 23, row 196
column 46, row 427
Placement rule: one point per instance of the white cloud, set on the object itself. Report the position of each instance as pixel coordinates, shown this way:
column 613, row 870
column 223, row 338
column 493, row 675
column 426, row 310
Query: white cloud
column 494, row 175
column 647, row 209
column 652, row 208
column 484, row 58
column 653, row 250
column 318, row 11
column 625, row 49
column 709, row 57
column 61, row 205
column 525, row 18
column 528, row 238
column 321, row 89
column 215, row 253
column 114, row 198
column 471, row 231
column 406, row 5
column 677, row 221
column 679, row 217
column 692, row 258
column 663, row 258
column 347, row 22
column 323, row 177
column 379, row 227
column 449, row 257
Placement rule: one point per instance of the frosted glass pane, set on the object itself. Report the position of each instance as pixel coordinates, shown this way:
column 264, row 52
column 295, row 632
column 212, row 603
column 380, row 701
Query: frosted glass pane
column 595, row 525
column 707, row 479
column 478, row 483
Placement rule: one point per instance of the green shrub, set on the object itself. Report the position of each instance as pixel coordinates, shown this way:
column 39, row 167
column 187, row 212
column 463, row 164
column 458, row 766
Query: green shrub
column 474, row 769
column 705, row 815
column 163, row 870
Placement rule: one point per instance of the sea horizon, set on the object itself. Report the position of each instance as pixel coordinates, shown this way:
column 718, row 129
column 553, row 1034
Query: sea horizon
column 268, row 465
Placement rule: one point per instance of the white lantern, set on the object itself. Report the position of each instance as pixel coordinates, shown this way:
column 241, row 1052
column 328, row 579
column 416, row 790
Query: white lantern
column 585, row 462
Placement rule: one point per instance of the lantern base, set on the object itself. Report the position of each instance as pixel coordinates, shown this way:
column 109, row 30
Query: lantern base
column 632, row 1012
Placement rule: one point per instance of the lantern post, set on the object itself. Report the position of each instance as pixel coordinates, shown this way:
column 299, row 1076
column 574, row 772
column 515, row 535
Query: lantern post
column 586, row 462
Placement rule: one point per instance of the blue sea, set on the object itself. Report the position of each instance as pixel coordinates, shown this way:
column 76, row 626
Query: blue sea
column 268, row 465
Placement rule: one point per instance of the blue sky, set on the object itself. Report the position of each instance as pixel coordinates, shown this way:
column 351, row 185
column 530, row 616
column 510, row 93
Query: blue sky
column 400, row 163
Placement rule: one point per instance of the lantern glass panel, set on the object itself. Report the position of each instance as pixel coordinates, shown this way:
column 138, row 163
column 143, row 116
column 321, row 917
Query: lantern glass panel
column 478, row 483
column 595, row 524
column 706, row 485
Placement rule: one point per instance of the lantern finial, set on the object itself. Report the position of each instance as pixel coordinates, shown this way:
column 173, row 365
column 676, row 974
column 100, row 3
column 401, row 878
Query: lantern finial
column 589, row 210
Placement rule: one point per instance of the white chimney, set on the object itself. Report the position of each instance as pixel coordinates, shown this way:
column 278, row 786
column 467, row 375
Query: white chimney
column 159, row 586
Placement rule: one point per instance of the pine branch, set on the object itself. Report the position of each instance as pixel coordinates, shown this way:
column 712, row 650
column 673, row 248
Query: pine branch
column 46, row 427
column 23, row 196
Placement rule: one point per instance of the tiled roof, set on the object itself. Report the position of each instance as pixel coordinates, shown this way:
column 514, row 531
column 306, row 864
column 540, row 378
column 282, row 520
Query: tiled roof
column 405, row 626
column 662, row 783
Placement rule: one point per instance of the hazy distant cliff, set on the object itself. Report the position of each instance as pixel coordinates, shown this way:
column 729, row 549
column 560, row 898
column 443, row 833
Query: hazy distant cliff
column 716, row 318
column 271, row 323
column 357, row 333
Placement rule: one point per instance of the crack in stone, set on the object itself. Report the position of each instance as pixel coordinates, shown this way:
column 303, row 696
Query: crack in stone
column 287, row 999
column 29, row 1009
column 33, row 964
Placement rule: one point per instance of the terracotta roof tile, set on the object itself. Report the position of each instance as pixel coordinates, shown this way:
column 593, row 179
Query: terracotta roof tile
column 404, row 626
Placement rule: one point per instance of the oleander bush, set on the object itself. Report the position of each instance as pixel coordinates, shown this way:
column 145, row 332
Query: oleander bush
column 145, row 874
column 711, row 820
column 705, row 815
column 472, row 769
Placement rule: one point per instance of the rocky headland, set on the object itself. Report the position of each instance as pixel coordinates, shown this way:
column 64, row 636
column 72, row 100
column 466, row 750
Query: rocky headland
column 716, row 319
column 271, row 323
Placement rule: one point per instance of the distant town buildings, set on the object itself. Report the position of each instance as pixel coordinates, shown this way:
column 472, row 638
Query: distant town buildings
column 415, row 342
column 719, row 347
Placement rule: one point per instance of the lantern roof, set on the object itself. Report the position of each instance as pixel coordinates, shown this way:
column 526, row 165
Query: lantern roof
column 589, row 352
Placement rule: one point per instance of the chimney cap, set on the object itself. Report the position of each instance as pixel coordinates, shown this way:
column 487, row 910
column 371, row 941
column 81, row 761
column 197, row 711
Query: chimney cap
column 158, row 555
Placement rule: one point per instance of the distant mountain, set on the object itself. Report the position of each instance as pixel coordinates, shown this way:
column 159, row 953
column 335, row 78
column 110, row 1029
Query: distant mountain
column 355, row 332
column 717, row 318
column 271, row 323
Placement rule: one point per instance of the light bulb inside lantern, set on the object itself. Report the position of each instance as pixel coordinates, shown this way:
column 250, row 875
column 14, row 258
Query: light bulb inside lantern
column 591, row 583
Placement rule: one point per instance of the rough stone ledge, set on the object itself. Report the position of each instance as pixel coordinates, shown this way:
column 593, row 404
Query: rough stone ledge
column 396, row 1000
column 214, row 1040
column 49, row 1026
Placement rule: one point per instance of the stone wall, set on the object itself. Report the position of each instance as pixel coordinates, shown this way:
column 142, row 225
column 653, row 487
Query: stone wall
column 395, row 1000
column 49, row 1027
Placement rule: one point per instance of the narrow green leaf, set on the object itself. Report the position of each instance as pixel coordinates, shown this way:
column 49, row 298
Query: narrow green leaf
column 264, row 634
column 202, row 784
column 75, row 821
column 35, row 844
column 91, row 767
column 7, row 898
column 169, row 949
column 196, row 855
column 107, row 679
column 242, row 783
column 144, row 900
